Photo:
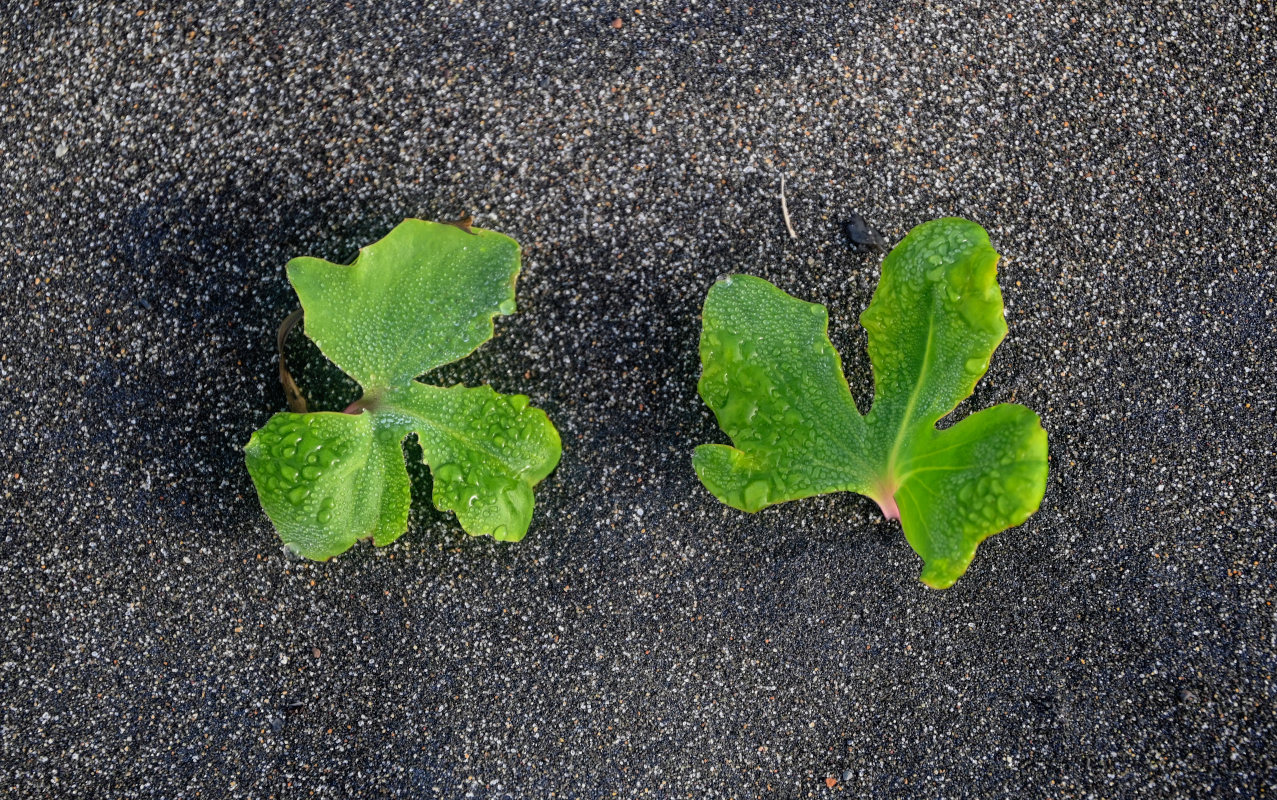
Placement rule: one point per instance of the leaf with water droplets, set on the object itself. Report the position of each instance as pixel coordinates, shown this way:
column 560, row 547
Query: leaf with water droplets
column 325, row 482
column 424, row 295
column 486, row 451
column 776, row 385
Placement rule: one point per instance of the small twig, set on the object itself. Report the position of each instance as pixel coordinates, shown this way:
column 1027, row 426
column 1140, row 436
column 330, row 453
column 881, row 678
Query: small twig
column 296, row 403
column 784, row 209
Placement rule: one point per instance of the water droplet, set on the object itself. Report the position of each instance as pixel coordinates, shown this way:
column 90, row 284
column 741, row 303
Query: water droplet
column 297, row 495
column 975, row 365
column 1006, row 504
column 311, row 473
column 446, row 473
column 507, row 306
column 757, row 494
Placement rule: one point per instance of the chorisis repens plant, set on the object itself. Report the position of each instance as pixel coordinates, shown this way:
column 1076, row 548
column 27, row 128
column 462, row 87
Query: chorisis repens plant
column 423, row 296
column 776, row 384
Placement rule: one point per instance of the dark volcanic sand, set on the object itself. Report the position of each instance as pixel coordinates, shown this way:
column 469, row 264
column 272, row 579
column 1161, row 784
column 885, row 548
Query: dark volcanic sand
column 160, row 167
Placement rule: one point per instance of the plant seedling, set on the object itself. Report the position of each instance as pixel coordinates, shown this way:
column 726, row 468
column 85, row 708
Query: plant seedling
column 776, row 384
column 423, row 296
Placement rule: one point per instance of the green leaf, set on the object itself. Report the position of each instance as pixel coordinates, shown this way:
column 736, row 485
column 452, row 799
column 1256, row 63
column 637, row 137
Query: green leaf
column 486, row 452
column 776, row 385
column 324, row 481
column 421, row 297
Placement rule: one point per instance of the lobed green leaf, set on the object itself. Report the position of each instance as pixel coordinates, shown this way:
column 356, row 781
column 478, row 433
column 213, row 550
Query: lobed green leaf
column 486, row 451
column 776, row 384
column 325, row 481
column 777, row 388
column 423, row 296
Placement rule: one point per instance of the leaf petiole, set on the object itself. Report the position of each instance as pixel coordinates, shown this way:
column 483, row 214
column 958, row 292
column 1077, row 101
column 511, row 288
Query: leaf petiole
column 296, row 401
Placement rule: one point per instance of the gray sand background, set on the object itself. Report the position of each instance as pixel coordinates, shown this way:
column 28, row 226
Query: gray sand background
column 161, row 164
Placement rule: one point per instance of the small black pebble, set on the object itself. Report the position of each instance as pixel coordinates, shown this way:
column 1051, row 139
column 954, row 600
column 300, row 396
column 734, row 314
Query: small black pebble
column 847, row 743
column 864, row 237
column 1186, row 695
column 847, row 775
column 1042, row 704
column 276, row 724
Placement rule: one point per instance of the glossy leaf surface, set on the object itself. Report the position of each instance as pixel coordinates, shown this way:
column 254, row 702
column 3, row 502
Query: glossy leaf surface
column 421, row 297
column 486, row 451
column 776, row 385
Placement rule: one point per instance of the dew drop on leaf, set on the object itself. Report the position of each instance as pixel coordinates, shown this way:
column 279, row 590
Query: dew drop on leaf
column 757, row 494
